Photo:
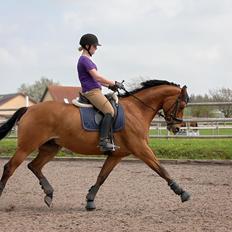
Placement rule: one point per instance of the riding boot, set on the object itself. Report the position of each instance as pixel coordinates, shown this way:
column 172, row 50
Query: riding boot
column 106, row 124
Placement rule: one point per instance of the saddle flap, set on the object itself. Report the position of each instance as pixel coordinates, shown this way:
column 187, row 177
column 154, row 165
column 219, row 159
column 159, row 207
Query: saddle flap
column 91, row 119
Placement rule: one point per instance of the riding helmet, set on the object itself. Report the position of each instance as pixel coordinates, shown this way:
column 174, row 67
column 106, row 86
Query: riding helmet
column 89, row 39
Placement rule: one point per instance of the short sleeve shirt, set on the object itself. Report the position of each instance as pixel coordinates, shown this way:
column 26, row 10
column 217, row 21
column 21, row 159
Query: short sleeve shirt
column 88, row 83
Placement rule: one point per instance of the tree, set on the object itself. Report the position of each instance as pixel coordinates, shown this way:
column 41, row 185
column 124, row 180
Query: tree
column 36, row 90
column 200, row 111
column 223, row 95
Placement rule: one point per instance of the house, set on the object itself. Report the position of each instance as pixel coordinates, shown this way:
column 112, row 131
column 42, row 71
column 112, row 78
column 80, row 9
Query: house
column 10, row 102
column 60, row 93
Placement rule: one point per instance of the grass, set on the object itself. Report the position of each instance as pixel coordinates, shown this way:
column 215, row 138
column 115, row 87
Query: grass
column 7, row 147
column 219, row 149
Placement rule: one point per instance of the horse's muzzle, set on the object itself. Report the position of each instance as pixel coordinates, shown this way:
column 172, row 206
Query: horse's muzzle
column 173, row 128
column 173, row 124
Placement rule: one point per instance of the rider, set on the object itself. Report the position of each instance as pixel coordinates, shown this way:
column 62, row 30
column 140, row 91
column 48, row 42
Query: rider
column 91, row 83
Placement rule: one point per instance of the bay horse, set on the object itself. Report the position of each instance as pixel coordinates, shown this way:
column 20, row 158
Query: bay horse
column 49, row 126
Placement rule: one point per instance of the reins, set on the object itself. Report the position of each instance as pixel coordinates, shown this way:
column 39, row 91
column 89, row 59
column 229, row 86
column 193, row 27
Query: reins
column 145, row 104
column 138, row 99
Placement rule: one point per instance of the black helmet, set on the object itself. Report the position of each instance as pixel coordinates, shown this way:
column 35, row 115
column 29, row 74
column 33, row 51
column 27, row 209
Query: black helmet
column 89, row 39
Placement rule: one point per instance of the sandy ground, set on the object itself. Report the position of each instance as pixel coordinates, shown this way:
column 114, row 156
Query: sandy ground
column 133, row 198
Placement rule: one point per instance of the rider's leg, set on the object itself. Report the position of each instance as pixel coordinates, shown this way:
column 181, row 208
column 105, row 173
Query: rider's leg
column 96, row 97
column 105, row 141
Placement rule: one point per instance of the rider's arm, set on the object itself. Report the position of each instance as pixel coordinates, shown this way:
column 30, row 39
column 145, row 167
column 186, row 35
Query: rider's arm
column 98, row 77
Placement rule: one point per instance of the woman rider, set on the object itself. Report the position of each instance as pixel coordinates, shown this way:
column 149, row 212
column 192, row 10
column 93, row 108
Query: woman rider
column 91, row 83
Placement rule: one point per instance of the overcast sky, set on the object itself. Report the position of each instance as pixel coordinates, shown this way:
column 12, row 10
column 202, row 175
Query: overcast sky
column 188, row 42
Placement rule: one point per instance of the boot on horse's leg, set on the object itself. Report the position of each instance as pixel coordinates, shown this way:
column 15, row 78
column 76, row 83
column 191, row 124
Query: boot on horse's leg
column 105, row 142
column 184, row 195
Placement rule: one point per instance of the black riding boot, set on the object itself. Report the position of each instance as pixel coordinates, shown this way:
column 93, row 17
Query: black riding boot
column 106, row 124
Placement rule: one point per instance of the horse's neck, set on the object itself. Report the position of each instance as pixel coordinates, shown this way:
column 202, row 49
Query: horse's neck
column 153, row 99
column 152, row 103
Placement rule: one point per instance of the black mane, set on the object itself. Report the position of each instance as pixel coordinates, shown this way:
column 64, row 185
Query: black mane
column 148, row 84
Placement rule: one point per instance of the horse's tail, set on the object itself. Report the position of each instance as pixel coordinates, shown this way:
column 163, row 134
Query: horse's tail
column 7, row 126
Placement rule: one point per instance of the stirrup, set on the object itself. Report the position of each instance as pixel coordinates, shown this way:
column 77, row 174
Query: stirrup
column 106, row 145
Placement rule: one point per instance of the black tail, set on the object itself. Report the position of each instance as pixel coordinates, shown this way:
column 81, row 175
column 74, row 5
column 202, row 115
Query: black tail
column 6, row 127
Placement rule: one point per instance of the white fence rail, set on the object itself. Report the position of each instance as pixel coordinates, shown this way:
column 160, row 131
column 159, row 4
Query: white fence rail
column 213, row 124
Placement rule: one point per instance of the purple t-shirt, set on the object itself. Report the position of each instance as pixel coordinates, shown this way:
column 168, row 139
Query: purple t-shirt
column 84, row 65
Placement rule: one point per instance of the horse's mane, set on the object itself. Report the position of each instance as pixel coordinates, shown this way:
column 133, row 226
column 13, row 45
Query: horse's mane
column 148, row 84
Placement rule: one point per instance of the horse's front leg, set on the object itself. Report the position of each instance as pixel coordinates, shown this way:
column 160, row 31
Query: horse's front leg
column 110, row 162
column 147, row 155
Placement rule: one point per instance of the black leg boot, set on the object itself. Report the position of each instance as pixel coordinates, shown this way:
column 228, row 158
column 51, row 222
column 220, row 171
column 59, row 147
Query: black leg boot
column 106, row 124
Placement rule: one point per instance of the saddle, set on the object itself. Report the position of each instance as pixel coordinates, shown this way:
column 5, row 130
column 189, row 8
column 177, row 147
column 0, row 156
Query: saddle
column 91, row 117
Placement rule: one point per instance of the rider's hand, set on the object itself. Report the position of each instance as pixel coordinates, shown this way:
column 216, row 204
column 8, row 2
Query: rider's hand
column 116, row 86
column 119, row 85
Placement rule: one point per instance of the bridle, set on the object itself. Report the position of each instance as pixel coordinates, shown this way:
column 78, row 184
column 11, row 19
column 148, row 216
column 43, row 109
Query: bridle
column 170, row 118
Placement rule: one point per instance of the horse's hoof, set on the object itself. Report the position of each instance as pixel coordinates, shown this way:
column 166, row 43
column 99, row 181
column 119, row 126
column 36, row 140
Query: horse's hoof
column 185, row 196
column 90, row 206
column 48, row 200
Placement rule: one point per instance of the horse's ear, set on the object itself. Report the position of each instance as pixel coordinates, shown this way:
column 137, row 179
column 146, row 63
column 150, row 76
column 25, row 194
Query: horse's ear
column 183, row 90
column 184, row 94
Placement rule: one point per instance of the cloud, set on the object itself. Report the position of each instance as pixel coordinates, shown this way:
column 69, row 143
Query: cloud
column 6, row 59
column 18, row 57
column 184, row 41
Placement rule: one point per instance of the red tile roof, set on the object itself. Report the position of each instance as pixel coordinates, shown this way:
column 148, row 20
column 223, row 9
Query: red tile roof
column 59, row 93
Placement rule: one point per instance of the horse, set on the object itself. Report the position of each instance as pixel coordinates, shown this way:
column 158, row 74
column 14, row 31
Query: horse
column 49, row 126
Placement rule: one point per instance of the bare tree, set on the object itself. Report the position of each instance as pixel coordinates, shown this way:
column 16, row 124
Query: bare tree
column 199, row 111
column 36, row 90
column 223, row 95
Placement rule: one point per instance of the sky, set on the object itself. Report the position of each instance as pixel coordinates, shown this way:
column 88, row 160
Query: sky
column 188, row 42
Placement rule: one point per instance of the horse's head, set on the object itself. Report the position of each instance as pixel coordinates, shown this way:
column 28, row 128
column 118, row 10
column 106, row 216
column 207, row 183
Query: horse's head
column 173, row 109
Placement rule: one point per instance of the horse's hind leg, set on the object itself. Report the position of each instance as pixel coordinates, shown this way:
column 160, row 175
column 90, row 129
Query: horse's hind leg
column 147, row 155
column 11, row 165
column 46, row 153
